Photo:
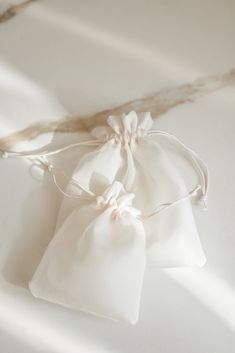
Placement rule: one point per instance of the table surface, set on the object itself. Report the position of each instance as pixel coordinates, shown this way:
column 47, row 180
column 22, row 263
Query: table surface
column 74, row 57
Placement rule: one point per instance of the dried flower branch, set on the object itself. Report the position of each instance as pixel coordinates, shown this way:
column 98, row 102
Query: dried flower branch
column 14, row 10
column 158, row 103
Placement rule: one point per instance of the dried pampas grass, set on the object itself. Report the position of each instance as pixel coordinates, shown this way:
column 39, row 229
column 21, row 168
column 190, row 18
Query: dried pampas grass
column 14, row 10
column 158, row 103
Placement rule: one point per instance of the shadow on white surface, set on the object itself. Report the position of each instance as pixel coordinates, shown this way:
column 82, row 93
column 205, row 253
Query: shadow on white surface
column 213, row 291
column 11, row 344
column 73, row 58
column 118, row 43
column 170, row 316
column 35, row 231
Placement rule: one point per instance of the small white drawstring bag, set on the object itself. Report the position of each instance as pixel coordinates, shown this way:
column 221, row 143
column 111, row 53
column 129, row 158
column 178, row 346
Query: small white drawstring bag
column 96, row 260
column 130, row 151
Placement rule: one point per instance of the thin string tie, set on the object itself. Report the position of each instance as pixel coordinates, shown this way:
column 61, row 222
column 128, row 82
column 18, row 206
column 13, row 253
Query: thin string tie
column 201, row 190
column 200, row 167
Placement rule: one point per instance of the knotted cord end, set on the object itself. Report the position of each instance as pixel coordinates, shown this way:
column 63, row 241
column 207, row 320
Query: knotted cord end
column 202, row 198
column 204, row 204
column 4, row 154
column 44, row 163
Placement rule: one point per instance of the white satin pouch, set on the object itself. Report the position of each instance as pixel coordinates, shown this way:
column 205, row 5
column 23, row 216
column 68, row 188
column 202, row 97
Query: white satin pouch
column 96, row 260
column 132, row 153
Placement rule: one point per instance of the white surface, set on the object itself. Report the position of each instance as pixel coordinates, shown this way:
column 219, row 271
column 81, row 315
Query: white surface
column 86, row 56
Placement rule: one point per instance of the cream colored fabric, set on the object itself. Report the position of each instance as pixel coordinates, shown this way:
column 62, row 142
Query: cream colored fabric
column 96, row 260
column 138, row 160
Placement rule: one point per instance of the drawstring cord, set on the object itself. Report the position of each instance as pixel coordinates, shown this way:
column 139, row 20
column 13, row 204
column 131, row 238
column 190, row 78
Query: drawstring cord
column 198, row 164
column 201, row 190
column 44, row 163
column 164, row 206
column 46, row 153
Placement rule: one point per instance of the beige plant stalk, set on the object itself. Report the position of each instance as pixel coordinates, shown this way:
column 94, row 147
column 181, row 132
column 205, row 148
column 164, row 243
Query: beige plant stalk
column 14, row 10
column 158, row 103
